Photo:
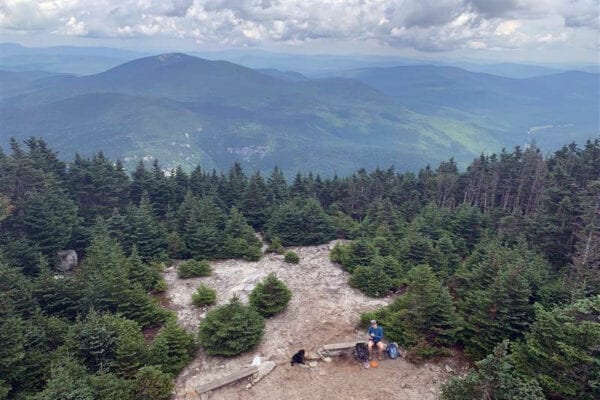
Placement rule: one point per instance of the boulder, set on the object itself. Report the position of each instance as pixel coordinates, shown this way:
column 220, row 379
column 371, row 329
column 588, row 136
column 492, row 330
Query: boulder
column 263, row 370
column 67, row 260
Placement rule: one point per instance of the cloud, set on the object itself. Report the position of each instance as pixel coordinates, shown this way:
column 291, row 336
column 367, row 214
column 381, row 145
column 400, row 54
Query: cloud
column 424, row 25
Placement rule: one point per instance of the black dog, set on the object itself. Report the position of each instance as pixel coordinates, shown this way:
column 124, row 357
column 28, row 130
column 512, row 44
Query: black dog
column 298, row 358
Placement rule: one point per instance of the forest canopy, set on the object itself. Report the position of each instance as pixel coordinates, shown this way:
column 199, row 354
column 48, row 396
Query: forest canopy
column 501, row 259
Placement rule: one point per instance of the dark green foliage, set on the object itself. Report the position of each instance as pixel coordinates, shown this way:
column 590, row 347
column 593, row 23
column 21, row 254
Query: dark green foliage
column 359, row 252
column 105, row 277
column 240, row 239
column 494, row 378
column 172, row 349
column 204, row 296
column 24, row 254
column 152, row 384
column 98, row 186
column 561, row 350
column 107, row 343
column 110, row 387
column 50, row 218
column 275, row 246
column 511, row 231
column 270, row 296
column 145, row 232
column 500, row 312
column 193, row 269
column 291, row 257
column 96, row 343
column 424, row 312
column 254, row 204
column 68, row 381
column 145, row 275
column 371, row 280
column 301, row 222
column 12, row 351
column 61, row 297
column 231, row 329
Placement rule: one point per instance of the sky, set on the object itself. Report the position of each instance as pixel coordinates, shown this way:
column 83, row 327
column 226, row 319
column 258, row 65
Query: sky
column 541, row 31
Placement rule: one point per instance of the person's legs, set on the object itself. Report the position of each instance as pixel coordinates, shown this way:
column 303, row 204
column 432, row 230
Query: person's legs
column 370, row 346
column 380, row 348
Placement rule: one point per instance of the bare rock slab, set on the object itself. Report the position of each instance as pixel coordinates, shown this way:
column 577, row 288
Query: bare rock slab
column 263, row 370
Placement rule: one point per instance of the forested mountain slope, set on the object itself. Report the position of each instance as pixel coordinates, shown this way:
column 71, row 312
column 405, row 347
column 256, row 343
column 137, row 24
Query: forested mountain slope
column 188, row 111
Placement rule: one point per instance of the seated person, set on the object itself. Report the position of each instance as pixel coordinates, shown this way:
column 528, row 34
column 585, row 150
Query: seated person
column 375, row 335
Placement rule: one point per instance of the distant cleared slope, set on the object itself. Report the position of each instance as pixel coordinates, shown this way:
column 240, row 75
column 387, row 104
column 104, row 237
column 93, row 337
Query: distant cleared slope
column 566, row 104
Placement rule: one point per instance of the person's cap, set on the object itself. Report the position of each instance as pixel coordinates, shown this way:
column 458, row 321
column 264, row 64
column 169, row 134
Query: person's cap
column 373, row 322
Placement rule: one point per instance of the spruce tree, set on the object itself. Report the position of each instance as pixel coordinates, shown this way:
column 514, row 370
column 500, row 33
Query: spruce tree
column 50, row 219
column 494, row 378
column 172, row 349
column 254, row 204
column 240, row 238
column 277, row 188
column 145, row 232
column 231, row 329
column 270, row 296
column 561, row 350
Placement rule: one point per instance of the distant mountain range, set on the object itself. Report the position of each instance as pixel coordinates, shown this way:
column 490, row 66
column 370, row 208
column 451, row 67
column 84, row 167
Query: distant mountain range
column 187, row 110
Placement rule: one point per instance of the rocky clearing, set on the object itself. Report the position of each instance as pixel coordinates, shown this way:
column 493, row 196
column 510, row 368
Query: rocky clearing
column 323, row 309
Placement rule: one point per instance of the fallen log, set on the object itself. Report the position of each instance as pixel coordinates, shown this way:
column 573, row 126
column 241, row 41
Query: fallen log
column 236, row 376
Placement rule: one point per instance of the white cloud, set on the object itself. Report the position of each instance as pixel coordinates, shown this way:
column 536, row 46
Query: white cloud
column 72, row 27
column 424, row 25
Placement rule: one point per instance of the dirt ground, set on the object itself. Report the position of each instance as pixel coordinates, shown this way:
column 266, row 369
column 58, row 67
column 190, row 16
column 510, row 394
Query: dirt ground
column 323, row 309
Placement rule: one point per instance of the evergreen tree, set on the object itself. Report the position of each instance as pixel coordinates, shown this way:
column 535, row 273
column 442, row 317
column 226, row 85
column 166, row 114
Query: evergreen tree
column 424, row 312
column 371, row 280
column 193, row 269
column 49, row 219
column 254, row 204
column 153, row 384
column 144, row 231
column 172, row 349
column 277, row 188
column 68, row 381
column 231, row 329
column 240, row 239
column 270, row 296
column 500, row 312
column 562, row 352
column 204, row 296
column 301, row 223
column 495, row 378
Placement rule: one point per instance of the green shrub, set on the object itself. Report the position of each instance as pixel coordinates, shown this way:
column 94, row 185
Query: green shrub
column 372, row 281
column 275, row 246
column 231, row 329
column 152, row 384
column 161, row 286
column 193, row 268
column 270, row 296
column 204, row 296
column 291, row 257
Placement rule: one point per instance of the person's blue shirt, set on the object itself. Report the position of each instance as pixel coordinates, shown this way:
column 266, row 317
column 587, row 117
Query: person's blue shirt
column 377, row 333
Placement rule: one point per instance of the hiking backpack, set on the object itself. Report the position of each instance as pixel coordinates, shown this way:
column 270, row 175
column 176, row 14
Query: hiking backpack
column 392, row 350
column 361, row 352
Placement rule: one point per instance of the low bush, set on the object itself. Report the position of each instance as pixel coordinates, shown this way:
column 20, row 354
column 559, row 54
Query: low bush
column 291, row 257
column 204, row 296
column 193, row 268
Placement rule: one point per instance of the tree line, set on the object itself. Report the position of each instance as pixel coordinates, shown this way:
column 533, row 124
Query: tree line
column 501, row 259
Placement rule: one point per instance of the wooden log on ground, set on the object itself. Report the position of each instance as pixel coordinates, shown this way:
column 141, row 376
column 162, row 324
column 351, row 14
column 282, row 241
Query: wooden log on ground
column 236, row 376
